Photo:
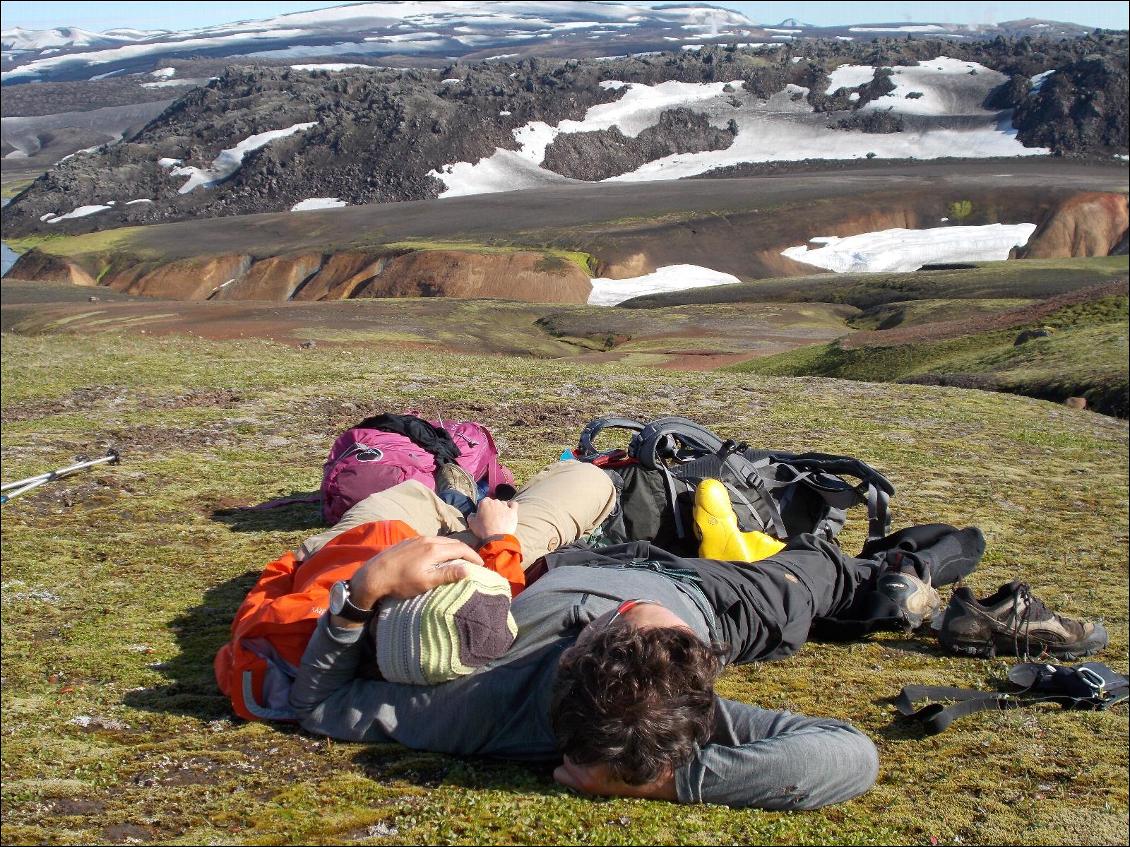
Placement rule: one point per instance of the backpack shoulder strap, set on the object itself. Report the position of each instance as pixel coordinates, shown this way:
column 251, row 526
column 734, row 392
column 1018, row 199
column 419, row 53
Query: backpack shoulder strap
column 593, row 428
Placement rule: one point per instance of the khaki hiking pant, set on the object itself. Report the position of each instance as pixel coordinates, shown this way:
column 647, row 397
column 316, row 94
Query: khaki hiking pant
column 564, row 502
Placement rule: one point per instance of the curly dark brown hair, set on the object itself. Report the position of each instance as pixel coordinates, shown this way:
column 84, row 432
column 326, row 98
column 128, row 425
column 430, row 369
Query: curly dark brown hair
column 636, row 700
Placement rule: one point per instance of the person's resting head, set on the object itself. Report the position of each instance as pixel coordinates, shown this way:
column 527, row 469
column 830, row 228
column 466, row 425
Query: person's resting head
column 635, row 693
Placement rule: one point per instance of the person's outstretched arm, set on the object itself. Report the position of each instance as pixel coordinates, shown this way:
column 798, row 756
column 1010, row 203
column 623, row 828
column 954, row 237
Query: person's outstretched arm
column 777, row 760
column 756, row 758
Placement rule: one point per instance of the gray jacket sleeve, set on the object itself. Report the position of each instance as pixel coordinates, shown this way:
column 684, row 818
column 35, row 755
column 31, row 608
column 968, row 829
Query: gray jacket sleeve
column 324, row 692
column 777, row 760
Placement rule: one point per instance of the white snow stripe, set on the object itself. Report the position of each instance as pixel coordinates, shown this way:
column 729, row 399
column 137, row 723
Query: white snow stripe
column 609, row 292
column 897, row 250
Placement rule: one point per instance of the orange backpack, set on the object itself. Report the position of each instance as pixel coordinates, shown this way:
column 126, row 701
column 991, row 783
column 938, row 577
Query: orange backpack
column 277, row 618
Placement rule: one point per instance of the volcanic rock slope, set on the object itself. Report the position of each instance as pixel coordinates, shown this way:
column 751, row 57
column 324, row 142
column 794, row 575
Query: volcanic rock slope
column 269, row 138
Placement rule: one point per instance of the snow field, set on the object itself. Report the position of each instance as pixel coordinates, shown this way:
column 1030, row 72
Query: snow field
column 897, row 250
column 609, row 292
column 780, row 129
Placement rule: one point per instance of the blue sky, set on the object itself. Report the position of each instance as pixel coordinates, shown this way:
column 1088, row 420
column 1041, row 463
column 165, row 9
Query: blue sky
column 172, row 14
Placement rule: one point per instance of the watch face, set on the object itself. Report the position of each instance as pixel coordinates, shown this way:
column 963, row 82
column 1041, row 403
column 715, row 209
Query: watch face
column 339, row 593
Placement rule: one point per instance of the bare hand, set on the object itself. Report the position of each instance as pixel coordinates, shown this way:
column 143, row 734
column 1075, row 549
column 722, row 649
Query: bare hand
column 410, row 568
column 494, row 517
column 597, row 779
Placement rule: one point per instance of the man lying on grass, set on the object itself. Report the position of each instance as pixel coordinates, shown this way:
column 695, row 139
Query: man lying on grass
column 612, row 671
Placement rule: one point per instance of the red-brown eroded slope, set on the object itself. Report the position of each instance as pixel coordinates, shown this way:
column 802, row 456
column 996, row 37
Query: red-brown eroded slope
column 1089, row 224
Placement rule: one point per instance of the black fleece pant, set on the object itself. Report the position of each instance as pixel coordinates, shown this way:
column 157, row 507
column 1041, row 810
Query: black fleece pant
column 765, row 610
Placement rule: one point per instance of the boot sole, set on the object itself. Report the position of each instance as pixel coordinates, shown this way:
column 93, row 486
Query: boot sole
column 1092, row 645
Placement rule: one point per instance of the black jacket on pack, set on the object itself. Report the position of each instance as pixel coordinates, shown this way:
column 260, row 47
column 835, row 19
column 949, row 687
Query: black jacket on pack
column 431, row 438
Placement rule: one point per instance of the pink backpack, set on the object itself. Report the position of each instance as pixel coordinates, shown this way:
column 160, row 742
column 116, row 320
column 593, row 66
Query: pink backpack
column 364, row 461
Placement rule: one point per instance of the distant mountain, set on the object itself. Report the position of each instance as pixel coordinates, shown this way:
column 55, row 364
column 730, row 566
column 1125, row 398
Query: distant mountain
column 433, row 33
column 317, row 135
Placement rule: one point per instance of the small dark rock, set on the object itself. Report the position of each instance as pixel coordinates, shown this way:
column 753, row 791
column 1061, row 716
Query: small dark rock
column 1029, row 334
column 308, row 345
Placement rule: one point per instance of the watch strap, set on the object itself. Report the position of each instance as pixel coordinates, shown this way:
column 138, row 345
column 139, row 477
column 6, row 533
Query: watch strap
column 354, row 613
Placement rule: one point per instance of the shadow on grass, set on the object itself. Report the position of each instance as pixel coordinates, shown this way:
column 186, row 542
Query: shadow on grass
column 384, row 762
column 267, row 518
column 200, row 632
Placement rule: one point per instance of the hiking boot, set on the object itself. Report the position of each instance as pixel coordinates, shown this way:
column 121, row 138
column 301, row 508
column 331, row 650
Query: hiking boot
column 917, row 601
column 716, row 526
column 451, row 477
column 1012, row 622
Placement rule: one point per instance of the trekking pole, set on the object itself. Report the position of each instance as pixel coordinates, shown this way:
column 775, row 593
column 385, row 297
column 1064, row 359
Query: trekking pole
column 15, row 489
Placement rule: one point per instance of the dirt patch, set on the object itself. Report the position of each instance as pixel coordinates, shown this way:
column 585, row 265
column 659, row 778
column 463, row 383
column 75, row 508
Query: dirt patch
column 704, row 361
column 77, row 400
column 74, row 807
column 127, row 833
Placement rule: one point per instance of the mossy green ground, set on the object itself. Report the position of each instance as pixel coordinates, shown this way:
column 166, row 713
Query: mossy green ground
column 119, row 586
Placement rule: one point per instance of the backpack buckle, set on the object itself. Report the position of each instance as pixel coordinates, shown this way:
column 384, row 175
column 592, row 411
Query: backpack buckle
column 1093, row 681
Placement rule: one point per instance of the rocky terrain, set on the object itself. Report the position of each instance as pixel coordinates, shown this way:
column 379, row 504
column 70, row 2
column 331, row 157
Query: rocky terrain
column 386, row 135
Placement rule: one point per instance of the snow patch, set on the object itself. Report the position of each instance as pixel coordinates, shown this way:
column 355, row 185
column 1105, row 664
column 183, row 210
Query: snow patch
column 139, row 200
column 168, row 163
column 943, row 87
column 1037, row 82
column 909, row 249
column 230, row 160
column 849, row 76
column 80, row 212
column 328, row 66
column 163, row 73
column 318, row 203
column 613, row 84
column 910, row 28
column 609, row 292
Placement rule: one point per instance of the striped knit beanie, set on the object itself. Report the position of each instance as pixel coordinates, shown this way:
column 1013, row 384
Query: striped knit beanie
column 447, row 632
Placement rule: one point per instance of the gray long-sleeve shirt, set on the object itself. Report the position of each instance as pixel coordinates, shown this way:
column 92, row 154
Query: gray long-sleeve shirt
column 756, row 757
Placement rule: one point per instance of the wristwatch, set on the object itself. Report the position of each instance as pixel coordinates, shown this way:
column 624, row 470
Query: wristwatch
column 341, row 605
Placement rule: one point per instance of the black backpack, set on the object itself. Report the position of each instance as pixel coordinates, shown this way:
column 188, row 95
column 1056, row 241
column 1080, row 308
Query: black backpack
column 781, row 494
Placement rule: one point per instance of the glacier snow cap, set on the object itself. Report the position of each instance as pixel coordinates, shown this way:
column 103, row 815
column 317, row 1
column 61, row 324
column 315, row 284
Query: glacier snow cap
column 446, row 632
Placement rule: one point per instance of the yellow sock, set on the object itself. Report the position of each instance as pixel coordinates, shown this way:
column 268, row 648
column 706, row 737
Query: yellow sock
column 716, row 526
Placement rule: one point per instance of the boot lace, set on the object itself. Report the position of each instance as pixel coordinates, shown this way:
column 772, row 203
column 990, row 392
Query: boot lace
column 1026, row 608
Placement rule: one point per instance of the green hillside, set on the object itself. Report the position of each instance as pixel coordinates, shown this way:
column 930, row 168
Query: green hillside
column 1084, row 354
